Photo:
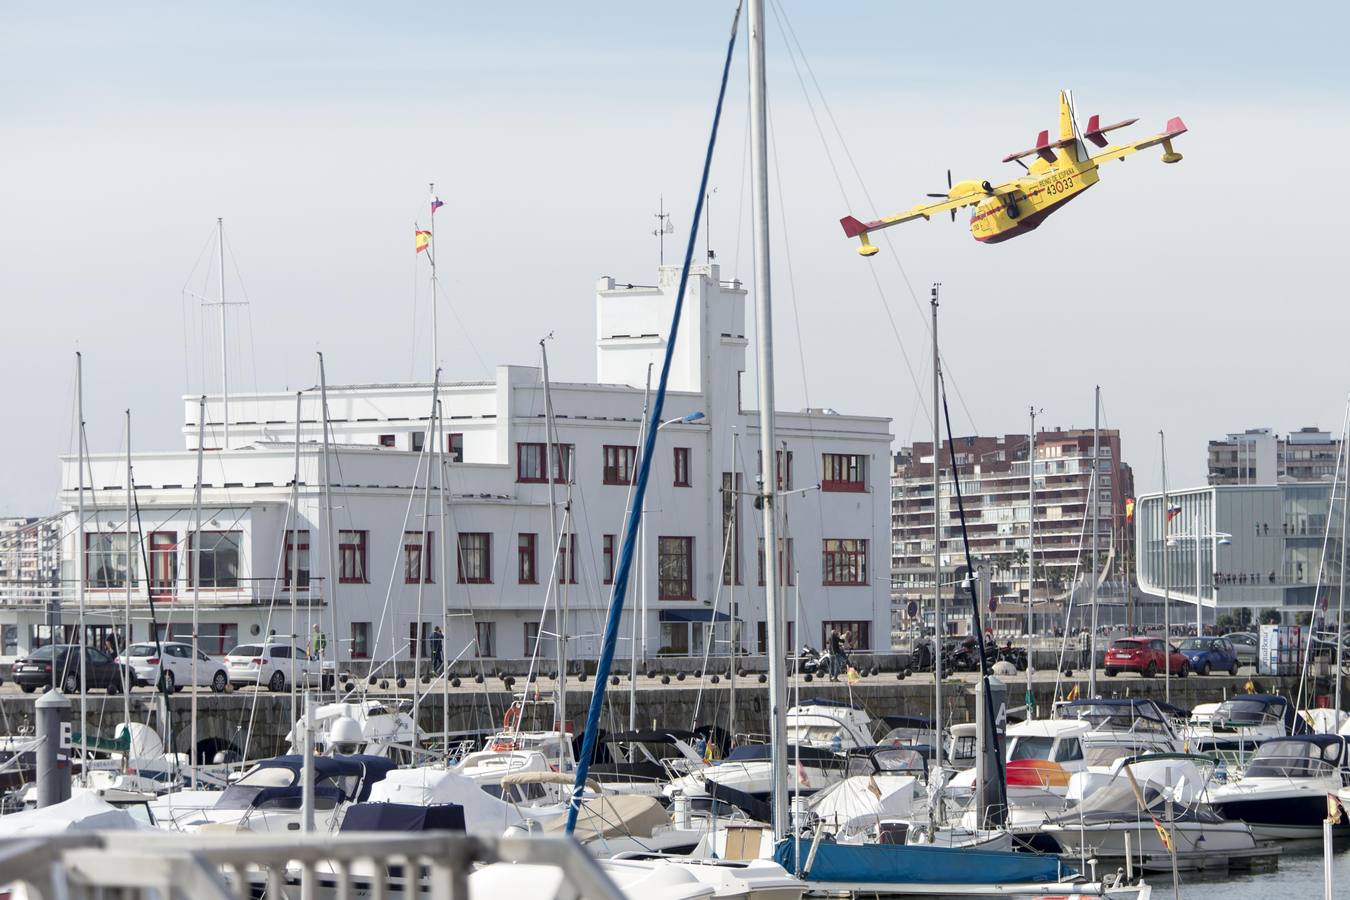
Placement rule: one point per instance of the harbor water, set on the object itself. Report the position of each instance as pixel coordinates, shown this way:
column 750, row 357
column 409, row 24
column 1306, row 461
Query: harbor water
column 1299, row 877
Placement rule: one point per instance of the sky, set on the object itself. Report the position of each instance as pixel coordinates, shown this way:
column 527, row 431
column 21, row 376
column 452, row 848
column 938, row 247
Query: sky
column 1204, row 297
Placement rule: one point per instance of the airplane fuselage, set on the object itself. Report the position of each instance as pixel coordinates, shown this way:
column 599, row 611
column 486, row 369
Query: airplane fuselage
column 1045, row 189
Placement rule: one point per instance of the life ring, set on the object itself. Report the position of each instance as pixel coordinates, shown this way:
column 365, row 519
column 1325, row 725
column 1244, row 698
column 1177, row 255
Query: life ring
column 510, row 717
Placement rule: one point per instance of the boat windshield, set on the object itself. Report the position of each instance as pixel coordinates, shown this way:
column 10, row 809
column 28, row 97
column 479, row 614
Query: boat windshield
column 1118, row 797
column 816, row 735
column 1028, row 747
column 1115, row 716
column 1294, row 759
column 1246, row 712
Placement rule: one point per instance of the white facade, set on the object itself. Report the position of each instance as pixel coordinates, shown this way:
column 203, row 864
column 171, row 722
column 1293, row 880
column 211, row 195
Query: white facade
column 380, row 491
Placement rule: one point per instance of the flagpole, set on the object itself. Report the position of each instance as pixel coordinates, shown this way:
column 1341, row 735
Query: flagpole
column 431, row 255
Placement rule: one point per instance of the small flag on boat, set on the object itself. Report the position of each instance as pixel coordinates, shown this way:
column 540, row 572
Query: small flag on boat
column 1129, row 510
column 852, row 677
column 1073, row 693
column 1333, row 809
column 873, row 787
column 709, row 752
column 422, row 240
column 801, row 775
column 1164, row 836
column 1173, row 511
column 435, row 204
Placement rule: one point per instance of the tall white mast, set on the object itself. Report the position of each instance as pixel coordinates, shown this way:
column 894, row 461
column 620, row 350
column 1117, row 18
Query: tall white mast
column 1340, row 603
column 445, row 583
column 640, row 613
column 294, row 543
column 1031, row 552
column 939, row 631
column 552, row 451
column 329, row 529
column 195, row 568
column 759, row 190
column 224, row 364
column 1093, row 498
column 79, row 558
column 126, row 612
column 1167, row 585
column 431, row 257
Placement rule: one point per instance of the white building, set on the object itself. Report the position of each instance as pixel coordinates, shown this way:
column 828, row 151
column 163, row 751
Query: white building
column 496, row 534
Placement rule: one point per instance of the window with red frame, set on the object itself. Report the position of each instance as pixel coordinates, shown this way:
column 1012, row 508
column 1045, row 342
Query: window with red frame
column 417, row 548
column 386, row 440
column 567, row 560
column 527, row 544
column 352, row 557
column 681, row 467
column 360, row 640
column 297, row 558
column 610, row 553
column 454, row 446
column 619, row 462
column 217, row 557
column 844, row 561
column 762, row 637
column 163, row 563
column 731, row 522
column 475, row 557
column 530, row 462
column 843, row 472
column 783, row 465
column 675, row 568
column 786, row 567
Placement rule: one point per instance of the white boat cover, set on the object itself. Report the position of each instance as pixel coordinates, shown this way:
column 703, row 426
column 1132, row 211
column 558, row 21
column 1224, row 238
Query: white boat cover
column 613, row 815
column 863, row 799
column 82, row 812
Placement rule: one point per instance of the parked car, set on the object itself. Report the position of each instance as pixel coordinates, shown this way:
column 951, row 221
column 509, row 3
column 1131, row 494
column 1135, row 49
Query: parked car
column 102, row 672
column 1210, row 654
column 269, row 665
column 168, row 664
column 1146, row 655
column 1246, row 645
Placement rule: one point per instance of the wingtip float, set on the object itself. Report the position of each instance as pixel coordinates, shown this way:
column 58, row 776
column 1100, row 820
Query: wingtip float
column 1062, row 169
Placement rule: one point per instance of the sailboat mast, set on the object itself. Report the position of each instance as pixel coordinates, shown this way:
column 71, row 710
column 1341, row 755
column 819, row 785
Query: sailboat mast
column 126, row 612
column 1167, row 583
column 1031, row 553
column 431, row 256
column 759, row 190
column 633, row 619
column 330, row 533
column 551, row 452
column 734, row 562
column 1340, row 603
column 445, row 582
column 1093, row 498
column 194, row 563
column 224, row 359
column 938, row 630
column 79, row 556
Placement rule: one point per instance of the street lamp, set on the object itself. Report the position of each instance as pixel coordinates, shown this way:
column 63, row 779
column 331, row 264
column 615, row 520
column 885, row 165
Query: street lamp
column 1221, row 539
column 682, row 420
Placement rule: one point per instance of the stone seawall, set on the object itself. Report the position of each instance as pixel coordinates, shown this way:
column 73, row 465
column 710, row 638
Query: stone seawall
column 224, row 720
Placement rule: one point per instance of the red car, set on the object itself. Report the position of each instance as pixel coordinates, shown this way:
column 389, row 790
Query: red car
column 1145, row 655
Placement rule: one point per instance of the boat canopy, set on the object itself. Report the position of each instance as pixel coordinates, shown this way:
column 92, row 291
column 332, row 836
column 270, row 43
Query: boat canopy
column 693, row 615
column 1300, row 756
column 763, row 752
column 1246, row 710
column 403, row 817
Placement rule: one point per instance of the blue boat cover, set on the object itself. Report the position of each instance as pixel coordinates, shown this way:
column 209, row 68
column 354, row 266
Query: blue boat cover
column 918, row 864
column 403, row 817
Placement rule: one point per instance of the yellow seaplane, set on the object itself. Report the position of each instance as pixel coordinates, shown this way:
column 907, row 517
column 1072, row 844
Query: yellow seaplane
column 1061, row 171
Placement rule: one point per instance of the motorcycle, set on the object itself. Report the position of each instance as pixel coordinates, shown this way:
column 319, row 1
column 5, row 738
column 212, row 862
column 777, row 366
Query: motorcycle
column 812, row 662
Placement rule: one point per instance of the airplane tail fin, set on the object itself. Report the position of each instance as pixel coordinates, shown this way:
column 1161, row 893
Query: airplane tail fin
column 1066, row 125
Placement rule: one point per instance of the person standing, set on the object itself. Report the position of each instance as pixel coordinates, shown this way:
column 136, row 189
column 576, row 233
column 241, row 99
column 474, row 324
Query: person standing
column 318, row 643
column 836, row 647
column 437, row 642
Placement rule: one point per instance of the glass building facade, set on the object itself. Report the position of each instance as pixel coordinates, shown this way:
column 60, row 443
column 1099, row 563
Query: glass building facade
column 1259, row 546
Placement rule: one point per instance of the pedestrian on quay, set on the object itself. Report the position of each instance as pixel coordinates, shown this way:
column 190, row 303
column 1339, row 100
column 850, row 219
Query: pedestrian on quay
column 437, row 642
column 318, row 642
column 835, row 646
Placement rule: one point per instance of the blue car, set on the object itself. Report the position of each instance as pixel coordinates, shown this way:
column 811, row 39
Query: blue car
column 1208, row 655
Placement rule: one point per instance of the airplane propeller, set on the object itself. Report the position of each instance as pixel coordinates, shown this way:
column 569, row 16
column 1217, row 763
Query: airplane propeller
column 948, row 194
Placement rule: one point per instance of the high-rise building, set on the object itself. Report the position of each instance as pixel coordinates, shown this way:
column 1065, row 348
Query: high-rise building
column 30, row 569
column 995, row 486
column 1258, row 456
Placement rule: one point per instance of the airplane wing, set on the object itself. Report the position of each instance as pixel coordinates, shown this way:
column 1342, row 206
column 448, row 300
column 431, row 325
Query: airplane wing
column 855, row 228
column 1174, row 128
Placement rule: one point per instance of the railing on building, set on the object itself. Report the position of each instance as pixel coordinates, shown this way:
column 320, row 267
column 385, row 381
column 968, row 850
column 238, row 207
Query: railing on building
column 242, row 591
column 238, row 866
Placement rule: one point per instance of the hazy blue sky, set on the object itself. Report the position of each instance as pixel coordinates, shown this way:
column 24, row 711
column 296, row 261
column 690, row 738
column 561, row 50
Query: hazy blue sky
column 1203, row 297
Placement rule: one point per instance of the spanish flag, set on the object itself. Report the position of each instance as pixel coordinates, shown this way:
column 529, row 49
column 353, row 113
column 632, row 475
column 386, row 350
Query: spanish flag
column 852, row 676
column 1164, row 836
column 422, row 240
column 1073, row 693
column 1129, row 510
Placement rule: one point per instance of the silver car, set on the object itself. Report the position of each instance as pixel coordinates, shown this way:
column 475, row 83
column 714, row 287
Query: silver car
column 1246, row 645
